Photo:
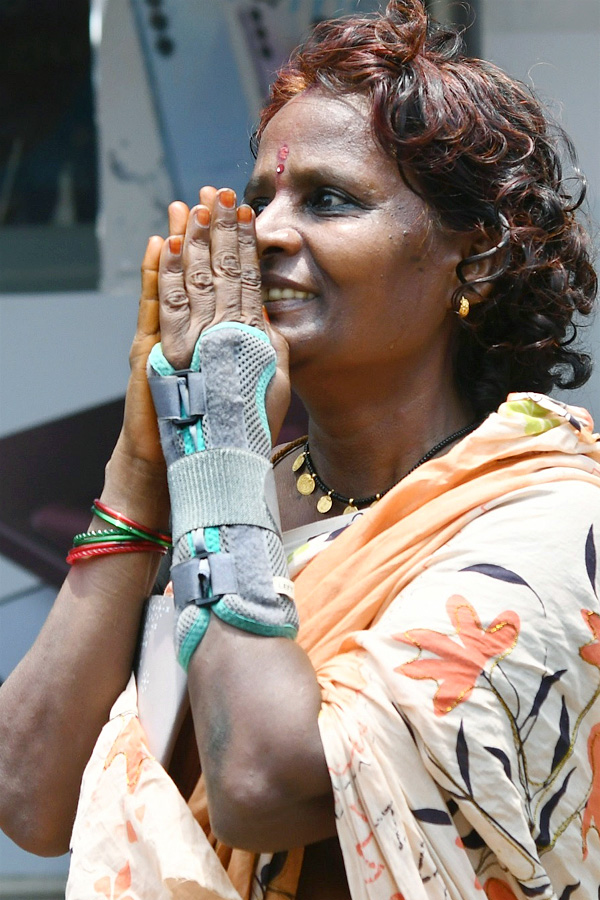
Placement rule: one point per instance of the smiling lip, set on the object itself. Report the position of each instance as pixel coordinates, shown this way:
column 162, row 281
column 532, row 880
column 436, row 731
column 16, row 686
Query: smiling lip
column 269, row 295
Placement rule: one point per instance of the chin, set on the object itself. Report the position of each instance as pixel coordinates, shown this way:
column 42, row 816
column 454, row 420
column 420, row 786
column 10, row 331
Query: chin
column 297, row 326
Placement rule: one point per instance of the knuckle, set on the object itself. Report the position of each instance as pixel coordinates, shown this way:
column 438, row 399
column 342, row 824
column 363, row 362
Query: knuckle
column 177, row 348
column 175, row 299
column 197, row 244
column 227, row 265
column 201, row 279
column 246, row 240
column 250, row 276
column 255, row 321
column 226, row 227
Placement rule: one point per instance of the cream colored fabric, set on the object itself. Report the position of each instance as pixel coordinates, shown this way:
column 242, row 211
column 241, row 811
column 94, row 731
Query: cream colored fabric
column 459, row 730
column 134, row 836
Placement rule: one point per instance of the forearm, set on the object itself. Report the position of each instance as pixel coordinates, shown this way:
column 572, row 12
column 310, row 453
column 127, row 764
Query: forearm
column 255, row 697
column 255, row 703
column 54, row 704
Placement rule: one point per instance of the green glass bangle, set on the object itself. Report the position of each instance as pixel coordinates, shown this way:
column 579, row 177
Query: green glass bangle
column 106, row 534
column 129, row 529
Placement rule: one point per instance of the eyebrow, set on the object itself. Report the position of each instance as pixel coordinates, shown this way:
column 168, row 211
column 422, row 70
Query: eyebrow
column 256, row 185
column 307, row 175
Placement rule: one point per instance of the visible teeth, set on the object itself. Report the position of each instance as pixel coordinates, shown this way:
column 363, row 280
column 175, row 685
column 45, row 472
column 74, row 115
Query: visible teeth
column 270, row 294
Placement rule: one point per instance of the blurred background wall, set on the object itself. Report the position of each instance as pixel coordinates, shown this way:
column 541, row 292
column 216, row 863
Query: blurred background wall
column 110, row 109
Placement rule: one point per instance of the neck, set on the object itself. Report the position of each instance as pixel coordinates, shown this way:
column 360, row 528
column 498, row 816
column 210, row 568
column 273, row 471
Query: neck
column 365, row 439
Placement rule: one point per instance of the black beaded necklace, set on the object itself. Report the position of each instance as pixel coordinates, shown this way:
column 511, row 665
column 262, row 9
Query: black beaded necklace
column 309, row 479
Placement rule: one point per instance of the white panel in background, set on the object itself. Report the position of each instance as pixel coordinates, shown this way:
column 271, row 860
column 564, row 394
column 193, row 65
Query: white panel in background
column 179, row 84
column 209, row 66
column 555, row 48
column 200, row 108
column 134, row 184
column 60, row 353
column 263, row 34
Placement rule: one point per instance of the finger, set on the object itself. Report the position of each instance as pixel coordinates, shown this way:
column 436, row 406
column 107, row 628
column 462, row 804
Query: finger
column 251, row 299
column 279, row 343
column 225, row 260
column 174, row 304
column 148, row 319
column 178, row 216
column 278, row 391
column 147, row 331
column 197, row 269
column 207, row 196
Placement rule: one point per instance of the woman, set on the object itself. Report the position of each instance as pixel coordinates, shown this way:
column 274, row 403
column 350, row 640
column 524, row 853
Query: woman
column 409, row 233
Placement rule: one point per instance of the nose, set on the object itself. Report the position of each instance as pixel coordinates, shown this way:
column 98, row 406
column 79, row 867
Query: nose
column 275, row 232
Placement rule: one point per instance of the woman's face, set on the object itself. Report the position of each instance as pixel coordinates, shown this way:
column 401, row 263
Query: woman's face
column 355, row 272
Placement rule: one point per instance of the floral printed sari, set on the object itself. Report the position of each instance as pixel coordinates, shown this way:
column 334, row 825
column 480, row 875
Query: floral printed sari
column 455, row 631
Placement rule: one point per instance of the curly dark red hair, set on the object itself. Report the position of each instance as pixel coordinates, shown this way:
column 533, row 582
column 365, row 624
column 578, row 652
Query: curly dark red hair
column 477, row 146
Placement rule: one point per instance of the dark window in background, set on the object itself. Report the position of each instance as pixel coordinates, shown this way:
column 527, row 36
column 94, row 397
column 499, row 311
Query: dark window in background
column 48, row 171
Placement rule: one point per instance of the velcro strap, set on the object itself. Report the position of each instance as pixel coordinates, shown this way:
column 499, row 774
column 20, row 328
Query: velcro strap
column 180, row 398
column 283, row 586
column 191, row 579
column 224, row 486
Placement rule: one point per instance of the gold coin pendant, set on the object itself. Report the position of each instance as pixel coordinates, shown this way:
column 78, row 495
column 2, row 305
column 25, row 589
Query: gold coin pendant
column 350, row 509
column 305, row 484
column 298, row 462
column 325, row 503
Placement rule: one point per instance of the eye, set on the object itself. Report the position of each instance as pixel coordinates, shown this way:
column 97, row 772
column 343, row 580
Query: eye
column 258, row 204
column 329, row 200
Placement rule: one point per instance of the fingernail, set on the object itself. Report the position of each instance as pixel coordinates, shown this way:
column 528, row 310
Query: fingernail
column 266, row 315
column 203, row 215
column 244, row 214
column 175, row 245
column 227, row 198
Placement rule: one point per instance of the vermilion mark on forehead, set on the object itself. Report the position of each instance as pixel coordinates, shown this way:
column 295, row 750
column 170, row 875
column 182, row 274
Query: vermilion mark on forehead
column 282, row 155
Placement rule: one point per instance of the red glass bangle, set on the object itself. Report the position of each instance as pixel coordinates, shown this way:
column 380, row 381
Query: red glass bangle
column 107, row 548
column 159, row 535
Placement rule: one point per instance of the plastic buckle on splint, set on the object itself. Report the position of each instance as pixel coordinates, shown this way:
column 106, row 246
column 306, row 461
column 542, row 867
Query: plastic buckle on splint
column 184, row 391
column 203, row 579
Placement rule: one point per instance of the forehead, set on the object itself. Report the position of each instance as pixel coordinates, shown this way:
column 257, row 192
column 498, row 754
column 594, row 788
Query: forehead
column 316, row 123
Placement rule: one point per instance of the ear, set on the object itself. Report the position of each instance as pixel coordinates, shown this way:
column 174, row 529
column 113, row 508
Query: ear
column 484, row 256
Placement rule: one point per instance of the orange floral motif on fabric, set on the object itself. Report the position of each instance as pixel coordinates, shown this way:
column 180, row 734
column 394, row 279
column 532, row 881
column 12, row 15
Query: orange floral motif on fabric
column 130, row 744
column 495, row 889
column 362, row 846
column 461, row 661
column 592, row 807
column 122, row 884
column 591, row 652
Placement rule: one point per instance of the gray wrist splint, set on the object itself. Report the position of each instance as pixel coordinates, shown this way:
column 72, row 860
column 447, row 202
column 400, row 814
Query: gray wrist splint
column 228, row 555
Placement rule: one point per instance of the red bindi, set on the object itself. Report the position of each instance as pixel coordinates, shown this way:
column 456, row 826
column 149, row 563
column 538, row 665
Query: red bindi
column 282, row 155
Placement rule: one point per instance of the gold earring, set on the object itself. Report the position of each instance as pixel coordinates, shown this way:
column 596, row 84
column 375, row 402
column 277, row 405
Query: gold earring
column 463, row 307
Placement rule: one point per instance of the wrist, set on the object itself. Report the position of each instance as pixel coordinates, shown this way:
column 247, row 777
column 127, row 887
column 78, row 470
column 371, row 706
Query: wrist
column 138, row 489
